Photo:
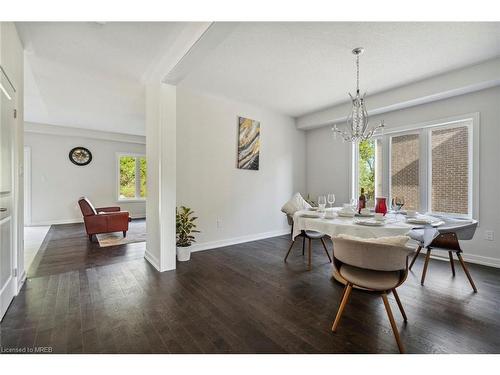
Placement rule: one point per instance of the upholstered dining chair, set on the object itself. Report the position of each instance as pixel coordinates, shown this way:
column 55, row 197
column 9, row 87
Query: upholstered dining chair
column 378, row 267
column 447, row 239
column 310, row 235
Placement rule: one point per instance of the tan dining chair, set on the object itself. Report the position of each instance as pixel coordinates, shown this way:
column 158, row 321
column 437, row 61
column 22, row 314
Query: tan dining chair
column 310, row 235
column 377, row 267
column 444, row 238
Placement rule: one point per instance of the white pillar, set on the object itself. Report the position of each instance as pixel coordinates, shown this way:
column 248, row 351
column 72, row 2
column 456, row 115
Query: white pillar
column 161, row 153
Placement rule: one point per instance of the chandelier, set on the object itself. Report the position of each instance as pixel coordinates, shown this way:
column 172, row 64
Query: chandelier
column 357, row 121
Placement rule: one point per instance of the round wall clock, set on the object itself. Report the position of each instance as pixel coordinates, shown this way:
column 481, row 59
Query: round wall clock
column 80, row 156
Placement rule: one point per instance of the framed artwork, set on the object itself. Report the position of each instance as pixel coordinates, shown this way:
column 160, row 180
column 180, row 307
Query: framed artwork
column 248, row 144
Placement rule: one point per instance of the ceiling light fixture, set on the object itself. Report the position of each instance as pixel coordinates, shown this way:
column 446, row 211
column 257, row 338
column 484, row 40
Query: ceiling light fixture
column 357, row 120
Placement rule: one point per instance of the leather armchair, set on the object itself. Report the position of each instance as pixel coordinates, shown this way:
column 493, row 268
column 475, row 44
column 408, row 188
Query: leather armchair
column 103, row 219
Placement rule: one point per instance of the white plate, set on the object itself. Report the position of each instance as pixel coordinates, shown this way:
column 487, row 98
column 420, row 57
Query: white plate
column 345, row 214
column 415, row 220
column 365, row 215
column 370, row 223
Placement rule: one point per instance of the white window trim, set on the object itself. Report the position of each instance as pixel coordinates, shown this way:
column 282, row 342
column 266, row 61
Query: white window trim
column 424, row 129
column 137, row 180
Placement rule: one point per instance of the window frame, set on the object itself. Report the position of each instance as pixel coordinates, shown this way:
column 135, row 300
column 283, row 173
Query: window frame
column 471, row 121
column 137, row 156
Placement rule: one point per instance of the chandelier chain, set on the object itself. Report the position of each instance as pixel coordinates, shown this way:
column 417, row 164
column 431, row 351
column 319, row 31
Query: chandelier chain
column 357, row 73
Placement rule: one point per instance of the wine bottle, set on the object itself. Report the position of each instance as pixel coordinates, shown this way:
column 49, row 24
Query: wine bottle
column 361, row 200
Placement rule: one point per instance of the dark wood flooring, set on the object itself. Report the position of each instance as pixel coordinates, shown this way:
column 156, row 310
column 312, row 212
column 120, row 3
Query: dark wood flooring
column 238, row 299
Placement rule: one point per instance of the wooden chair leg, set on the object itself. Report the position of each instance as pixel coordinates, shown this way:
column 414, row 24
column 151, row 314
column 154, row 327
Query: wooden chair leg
column 393, row 323
column 466, row 272
column 309, row 254
column 289, row 249
column 450, row 254
column 415, row 256
column 400, row 305
column 90, row 237
column 343, row 292
column 345, row 298
column 326, row 250
column 303, row 245
column 424, row 271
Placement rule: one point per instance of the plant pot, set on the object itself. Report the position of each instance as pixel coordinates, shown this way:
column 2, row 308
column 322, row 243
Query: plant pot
column 183, row 253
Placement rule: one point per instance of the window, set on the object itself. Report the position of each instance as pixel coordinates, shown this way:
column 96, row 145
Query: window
column 405, row 167
column 369, row 169
column 132, row 172
column 430, row 166
column 450, row 170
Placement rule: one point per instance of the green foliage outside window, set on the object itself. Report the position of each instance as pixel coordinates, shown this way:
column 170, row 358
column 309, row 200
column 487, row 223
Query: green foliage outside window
column 143, row 170
column 128, row 177
column 366, row 168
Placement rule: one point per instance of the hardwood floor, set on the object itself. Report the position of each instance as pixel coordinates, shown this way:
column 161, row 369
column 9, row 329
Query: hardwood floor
column 238, row 299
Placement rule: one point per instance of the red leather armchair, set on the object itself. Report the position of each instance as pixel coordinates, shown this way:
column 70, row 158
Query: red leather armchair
column 103, row 219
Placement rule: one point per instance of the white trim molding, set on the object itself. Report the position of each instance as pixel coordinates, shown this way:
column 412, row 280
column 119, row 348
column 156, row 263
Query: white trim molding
column 152, row 260
column 462, row 81
column 237, row 240
column 32, row 127
column 471, row 258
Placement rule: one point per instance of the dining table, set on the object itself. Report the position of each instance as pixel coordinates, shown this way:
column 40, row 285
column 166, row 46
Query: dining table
column 331, row 223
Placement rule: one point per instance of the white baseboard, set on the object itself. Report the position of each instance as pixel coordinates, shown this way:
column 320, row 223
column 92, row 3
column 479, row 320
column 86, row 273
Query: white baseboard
column 68, row 221
column 237, row 240
column 152, row 260
column 21, row 281
column 471, row 258
column 55, row 222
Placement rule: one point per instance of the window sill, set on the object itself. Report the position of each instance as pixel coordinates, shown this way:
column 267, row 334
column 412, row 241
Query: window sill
column 131, row 201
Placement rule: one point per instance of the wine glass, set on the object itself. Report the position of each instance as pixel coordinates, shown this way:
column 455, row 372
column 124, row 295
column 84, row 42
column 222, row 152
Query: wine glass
column 397, row 204
column 321, row 202
column 354, row 203
column 331, row 199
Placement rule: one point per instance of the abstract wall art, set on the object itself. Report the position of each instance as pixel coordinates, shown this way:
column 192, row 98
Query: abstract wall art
column 248, row 143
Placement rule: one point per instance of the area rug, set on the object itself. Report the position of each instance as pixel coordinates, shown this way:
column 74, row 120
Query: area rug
column 136, row 233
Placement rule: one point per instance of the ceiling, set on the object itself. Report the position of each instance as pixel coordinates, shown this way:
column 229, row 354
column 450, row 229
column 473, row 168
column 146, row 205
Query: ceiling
column 88, row 74
column 296, row 68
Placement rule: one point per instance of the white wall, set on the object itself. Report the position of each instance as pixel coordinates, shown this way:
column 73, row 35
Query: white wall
column 336, row 160
column 161, row 154
column 57, row 183
column 245, row 203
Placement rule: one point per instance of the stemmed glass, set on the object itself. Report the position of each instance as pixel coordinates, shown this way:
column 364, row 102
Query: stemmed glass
column 331, row 199
column 397, row 204
column 321, row 202
column 354, row 203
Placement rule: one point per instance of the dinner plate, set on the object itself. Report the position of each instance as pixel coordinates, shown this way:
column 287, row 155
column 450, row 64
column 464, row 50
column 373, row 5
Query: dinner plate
column 345, row 214
column 370, row 223
column 415, row 220
column 371, row 214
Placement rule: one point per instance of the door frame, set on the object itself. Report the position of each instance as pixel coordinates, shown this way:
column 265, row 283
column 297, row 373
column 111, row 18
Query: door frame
column 27, row 185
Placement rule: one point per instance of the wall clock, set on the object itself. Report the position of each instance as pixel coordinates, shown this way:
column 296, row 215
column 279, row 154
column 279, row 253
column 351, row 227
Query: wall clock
column 80, row 156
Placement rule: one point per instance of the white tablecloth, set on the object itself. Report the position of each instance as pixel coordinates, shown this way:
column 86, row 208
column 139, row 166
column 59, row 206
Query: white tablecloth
column 395, row 225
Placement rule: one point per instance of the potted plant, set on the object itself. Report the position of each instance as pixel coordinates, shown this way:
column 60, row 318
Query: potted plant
column 184, row 229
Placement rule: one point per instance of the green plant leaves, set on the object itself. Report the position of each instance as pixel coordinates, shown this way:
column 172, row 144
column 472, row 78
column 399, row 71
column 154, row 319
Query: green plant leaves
column 185, row 226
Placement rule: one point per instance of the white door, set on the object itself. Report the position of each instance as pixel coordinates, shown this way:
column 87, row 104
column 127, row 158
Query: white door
column 7, row 122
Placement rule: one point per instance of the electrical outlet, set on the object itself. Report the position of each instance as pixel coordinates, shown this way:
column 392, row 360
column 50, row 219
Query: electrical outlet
column 218, row 222
column 489, row 235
